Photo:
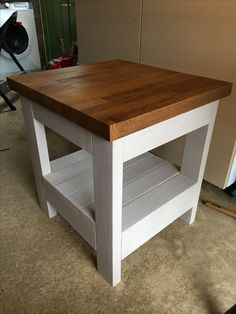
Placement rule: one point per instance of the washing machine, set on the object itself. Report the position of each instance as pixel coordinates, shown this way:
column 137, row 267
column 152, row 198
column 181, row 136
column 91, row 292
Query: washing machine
column 29, row 59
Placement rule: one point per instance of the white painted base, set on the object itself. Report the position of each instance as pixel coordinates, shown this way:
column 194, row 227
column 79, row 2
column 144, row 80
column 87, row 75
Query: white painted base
column 150, row 186
column 116, row 194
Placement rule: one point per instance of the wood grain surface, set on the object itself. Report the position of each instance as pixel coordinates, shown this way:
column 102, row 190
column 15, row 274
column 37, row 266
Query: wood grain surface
column 116, row 98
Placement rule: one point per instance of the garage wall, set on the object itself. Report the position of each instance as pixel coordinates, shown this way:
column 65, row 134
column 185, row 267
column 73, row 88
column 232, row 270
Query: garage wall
column 108, row 29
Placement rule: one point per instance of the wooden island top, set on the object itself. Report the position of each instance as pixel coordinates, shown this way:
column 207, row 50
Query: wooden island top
column 116, row 98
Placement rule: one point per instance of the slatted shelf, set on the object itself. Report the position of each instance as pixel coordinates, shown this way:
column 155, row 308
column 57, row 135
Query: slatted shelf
column 149, row 183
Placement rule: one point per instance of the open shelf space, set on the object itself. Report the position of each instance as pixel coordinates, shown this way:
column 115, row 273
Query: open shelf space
column 150, row 186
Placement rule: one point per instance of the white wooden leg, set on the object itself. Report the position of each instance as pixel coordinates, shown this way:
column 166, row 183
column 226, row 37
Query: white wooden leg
column 39, row 154
column 108, row 180
column 196, row 149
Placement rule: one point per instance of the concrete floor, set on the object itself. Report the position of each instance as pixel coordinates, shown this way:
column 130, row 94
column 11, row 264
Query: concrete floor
column 46, row 267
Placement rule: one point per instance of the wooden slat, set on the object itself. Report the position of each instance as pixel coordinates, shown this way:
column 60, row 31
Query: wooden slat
column 76, row 181
column 68, row 185
column 75, row 178
column 149, row 221
column 147, row 182
column 140, row 168
column 117, row 98
column 73, row 158
column 70, row 159
column 131, row 191
column 70, row 172
column 75, row 184
column 70, row 175
column 143, row 206
column 137, row 159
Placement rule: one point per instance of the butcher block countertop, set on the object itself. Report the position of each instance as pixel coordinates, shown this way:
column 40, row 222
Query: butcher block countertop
column 116, row 98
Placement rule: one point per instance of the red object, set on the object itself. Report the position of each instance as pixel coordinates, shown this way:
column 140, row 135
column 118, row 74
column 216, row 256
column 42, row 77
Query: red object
column 67, row 60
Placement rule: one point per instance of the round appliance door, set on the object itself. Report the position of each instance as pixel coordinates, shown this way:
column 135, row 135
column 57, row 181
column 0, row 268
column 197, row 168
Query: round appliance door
column 27, row 18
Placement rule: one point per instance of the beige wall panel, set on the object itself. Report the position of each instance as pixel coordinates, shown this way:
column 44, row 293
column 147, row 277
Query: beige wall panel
column 197, row 37
column 108, row 29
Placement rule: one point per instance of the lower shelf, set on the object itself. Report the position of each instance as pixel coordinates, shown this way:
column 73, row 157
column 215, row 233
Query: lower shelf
column 152, row 196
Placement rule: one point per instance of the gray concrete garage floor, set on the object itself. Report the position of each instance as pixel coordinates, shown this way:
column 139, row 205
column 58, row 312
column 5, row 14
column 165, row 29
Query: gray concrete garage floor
column 46, row 267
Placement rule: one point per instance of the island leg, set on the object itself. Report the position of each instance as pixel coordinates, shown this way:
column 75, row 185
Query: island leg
column 108, row 184
column 196, row 149
column 39, row 153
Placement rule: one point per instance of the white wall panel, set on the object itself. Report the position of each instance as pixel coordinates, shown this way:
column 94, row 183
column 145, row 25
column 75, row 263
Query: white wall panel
column 197, row 37
column 108, row 29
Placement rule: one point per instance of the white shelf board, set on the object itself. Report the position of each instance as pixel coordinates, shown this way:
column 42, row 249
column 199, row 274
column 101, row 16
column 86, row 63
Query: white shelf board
column 149, row 182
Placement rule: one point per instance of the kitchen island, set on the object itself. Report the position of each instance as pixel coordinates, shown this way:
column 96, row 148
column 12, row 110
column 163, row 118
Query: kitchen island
column 114, row 191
